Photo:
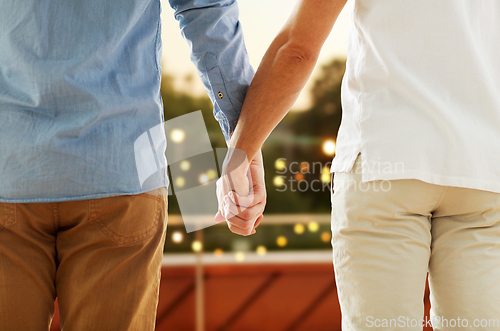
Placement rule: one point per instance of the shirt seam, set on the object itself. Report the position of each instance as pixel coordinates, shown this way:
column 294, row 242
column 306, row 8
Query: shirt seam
column 223, row 83
column 157, row 40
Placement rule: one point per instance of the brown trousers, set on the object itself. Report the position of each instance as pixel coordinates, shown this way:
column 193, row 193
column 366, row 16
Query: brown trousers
column 101, row 258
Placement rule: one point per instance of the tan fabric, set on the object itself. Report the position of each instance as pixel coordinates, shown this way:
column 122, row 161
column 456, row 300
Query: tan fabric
column 101, row 258
column 388, row 234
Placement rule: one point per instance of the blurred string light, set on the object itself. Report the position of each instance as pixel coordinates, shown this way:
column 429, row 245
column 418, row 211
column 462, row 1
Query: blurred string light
column 218, row 252
column 211, row 174
column 281, row 241
column 326, row 237
column 177, row 135
column 299, row 228
column 299, row 177
column 261, row 250
column 313, row 226
column 279, row 181
column 177, row 237
column 280, row 165
column 196, row 246
column 329, row 147
column 180, row 182
column 203, row 179
column 325, row 175
column 185, row 165
column 239, row 256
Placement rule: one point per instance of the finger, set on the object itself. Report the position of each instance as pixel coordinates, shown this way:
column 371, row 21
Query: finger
column 257, row 222
column 242, row 223
column 230, row 210
column 243, row 201
column 237, row 230
column 247, row 214
column 219, row 218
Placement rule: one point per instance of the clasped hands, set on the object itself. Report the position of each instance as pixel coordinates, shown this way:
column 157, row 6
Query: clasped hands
column 241, row 192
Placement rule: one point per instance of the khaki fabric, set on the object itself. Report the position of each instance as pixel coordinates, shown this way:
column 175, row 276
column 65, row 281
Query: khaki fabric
column 387, row 235
column 101, row 258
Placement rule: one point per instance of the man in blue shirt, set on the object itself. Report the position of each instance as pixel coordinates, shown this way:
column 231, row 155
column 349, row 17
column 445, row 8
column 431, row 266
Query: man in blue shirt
column 79, row 83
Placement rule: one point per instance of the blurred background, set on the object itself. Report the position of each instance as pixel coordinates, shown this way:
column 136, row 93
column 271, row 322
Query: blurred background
column 282, row 277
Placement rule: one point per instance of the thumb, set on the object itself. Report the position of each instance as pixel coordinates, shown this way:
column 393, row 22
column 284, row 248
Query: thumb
column 241, row 185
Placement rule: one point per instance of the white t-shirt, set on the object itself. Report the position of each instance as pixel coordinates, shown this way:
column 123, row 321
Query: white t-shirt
column 421, row 93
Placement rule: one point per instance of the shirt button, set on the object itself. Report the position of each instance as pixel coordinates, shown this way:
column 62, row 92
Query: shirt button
column 220, row 95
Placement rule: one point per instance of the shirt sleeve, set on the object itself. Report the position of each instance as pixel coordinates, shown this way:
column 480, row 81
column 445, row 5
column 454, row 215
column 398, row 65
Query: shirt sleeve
column 213, row 32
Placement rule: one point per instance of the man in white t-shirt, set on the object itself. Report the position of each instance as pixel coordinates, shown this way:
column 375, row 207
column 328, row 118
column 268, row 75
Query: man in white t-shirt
column 417, row 181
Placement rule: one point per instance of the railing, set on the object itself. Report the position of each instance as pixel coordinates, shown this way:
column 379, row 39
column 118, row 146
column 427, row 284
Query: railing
column 199, row 260
column 289, row 291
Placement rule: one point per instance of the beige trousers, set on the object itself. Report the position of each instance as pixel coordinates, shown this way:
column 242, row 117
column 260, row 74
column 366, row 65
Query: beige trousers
column 388, row 234
column 101, row 258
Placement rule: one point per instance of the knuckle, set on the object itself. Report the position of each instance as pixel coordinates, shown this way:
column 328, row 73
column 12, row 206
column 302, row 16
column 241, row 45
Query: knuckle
column 247, row 225
column 246, row 214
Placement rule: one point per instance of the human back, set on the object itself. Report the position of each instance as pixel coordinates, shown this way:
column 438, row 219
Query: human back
column 421, row 89
column 77, row 87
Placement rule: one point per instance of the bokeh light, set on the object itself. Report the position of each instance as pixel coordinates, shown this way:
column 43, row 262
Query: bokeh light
column 299, row 177
column 196, row 246
column 313, row 226
column 239, row 256
column 203, row 179
column 281, row 241
column 211, row 174
column 279, row 181
column 325, row 175
column 280, row 165
column 177, row 135
column 261, row 250
column 185, row 165
column 218, row 252
column 180, row 182
column 299, row 228
column 326, row 237
column 177, row 237
column 329, row 147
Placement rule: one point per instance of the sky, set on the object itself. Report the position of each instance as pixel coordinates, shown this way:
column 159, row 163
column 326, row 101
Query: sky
column 261, row 21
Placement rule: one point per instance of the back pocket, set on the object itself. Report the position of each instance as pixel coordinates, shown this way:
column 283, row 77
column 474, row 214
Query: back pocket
column 127, row 219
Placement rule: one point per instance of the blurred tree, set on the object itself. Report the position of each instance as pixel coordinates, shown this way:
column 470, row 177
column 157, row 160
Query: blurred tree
column 177, row 103
column 324, row 117
column 297, row 139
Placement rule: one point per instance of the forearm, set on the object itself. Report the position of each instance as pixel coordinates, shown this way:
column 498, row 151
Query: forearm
column 284, row 71
column 277, row 84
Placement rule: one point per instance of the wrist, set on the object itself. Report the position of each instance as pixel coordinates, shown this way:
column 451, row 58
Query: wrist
column 236, row 162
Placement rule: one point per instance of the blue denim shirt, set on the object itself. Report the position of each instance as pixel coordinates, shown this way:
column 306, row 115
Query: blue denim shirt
column 80, row 82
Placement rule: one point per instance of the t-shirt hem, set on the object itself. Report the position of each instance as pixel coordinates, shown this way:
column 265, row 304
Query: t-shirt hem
column 437, row 179
column 78, row 198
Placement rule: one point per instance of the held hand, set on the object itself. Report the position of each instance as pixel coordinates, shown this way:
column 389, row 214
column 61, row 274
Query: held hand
column 242, row 196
